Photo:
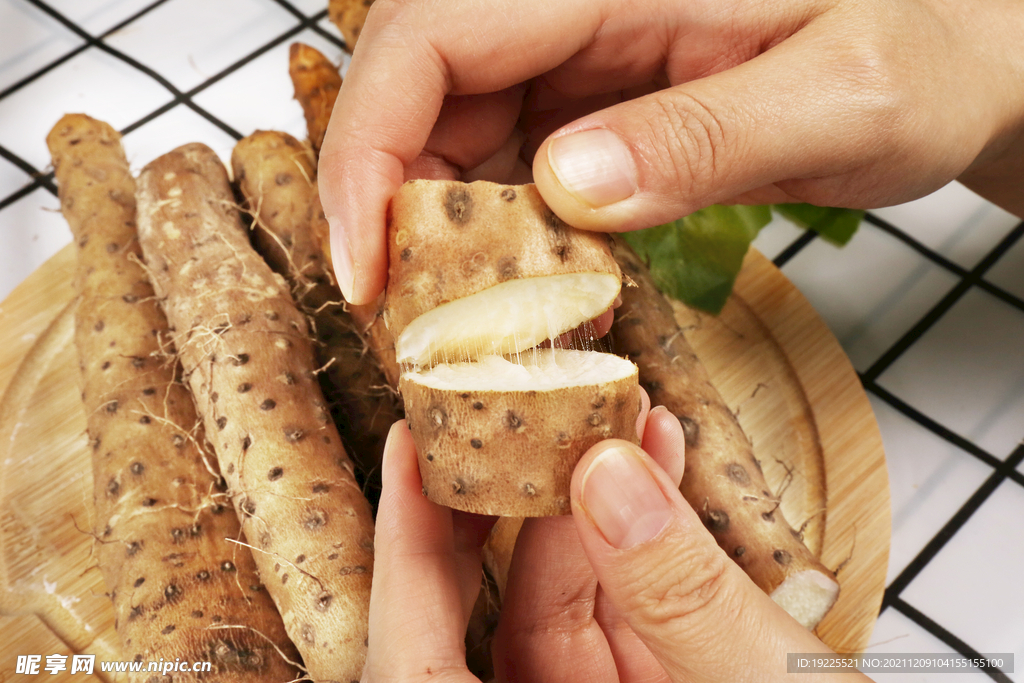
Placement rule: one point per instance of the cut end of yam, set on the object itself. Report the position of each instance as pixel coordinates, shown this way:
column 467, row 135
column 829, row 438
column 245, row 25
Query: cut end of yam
column 507, row 318
column 807, row 596
column 502, row 438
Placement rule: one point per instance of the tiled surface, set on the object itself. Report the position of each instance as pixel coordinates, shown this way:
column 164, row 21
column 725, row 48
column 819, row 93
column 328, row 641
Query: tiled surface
column 983, row 562
column 942, row 358
column 929, row 480
column 979, row 392
column 870, row 292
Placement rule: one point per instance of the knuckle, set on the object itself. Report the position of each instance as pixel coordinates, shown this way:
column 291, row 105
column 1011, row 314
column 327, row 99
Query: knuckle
column 690, row 590
column 687, row 136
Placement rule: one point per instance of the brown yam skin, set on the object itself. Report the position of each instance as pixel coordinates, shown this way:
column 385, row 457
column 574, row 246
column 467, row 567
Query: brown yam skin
column 316, row 81
column 277, row 180
column 369, row 318
column 448, row 240
column 246, row 353
column 723, row 480
column 513, row 453
column 162, row 517
column 349, row 16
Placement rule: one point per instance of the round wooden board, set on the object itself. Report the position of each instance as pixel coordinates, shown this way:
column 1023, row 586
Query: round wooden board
column 775, row 362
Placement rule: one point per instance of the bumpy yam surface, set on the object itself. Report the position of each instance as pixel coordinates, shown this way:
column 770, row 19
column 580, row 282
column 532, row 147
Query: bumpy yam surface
column 180, row 588
column 448, row 240
column 512, row 453
column 277, row 178
column 247, row 355
column 723, row 480
column 317, row 82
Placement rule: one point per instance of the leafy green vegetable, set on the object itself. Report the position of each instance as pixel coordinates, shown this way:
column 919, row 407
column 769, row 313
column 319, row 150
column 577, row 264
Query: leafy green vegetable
column 696, row 258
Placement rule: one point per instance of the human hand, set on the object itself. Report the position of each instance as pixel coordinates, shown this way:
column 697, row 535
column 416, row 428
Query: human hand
column 657, row 108
column 631, row 588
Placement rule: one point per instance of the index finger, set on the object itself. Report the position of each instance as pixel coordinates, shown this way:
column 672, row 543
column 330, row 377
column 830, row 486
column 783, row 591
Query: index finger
column 410, row 56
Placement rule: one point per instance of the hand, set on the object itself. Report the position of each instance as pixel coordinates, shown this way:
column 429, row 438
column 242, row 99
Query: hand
column 634, row 113
column 630, row 588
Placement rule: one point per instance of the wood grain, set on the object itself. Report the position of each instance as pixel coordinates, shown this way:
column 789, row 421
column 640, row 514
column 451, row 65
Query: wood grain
column 775, row 362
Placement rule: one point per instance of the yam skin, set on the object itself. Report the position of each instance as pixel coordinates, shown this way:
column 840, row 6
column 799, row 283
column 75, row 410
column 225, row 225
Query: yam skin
column 349, row 16
column 162, row 520
column 512, row 453
column 276, row 176
column 448, row 240
column 247, row 356
column 369, row 318
column 723, row 480
column 317, row 82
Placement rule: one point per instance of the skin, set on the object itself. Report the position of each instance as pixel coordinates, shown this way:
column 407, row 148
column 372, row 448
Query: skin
column 833, row 102
column 857, row 103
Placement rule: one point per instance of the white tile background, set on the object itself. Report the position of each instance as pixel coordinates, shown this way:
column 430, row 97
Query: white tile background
column 965, row 373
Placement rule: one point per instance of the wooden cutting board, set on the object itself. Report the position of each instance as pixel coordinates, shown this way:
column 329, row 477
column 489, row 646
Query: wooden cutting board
column 771, row 356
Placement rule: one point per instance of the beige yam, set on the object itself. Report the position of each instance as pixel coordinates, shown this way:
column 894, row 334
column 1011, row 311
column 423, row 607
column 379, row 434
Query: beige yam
column 180, row 588
column 349, row 16
column 246, row 353
column 449, row 240
column 723, row 480
column 277, row 178
column 316, row 81
column 499, row 438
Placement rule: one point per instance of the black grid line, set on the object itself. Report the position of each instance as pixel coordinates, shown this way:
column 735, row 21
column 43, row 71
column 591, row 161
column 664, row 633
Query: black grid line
column 948, row 638
column 1002, row 470
column 45, row 179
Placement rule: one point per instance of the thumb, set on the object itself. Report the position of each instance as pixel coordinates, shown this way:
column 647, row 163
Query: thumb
column 779, row 127
column 694, row 609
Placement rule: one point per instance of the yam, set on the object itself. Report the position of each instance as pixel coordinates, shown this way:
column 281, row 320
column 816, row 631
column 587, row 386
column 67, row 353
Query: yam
column 247, row 356
column 276, row 176
column 316, row 82
column 480, row 275
column 349, row 16
column 723, row 480
column 180, row 587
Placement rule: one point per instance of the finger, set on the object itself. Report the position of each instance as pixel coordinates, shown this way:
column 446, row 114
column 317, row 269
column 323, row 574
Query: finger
column 664, row 441
column 694, row 609
column 770, row 121
column 407, row 62
column 633, row 661
column 547, row 630
column 418, row 605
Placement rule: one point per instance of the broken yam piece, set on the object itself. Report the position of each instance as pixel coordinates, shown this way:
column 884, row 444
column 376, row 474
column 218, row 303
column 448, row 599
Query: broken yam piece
column 450, row 240
column 481, row 274
column 498, row 437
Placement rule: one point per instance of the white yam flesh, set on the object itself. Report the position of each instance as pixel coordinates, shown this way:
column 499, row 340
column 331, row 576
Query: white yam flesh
column 507, row 318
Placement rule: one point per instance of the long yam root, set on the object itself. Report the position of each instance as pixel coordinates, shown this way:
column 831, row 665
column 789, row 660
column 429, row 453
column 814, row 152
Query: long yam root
column 180, row 588
column 276, row 176
column 723, row 480
column 316, row 81
column 246, row 353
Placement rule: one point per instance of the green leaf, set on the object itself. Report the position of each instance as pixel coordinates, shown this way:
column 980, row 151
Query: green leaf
column 696, row 258
column 835, row 225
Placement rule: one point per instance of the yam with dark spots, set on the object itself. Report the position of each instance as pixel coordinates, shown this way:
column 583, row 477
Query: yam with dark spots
column 157, row 492
column 723, row 480
column 225, row 303
column 360, row 400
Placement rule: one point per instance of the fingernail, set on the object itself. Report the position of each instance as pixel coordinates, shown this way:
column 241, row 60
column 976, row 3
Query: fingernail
column 623, row 498
column 595, row 165
column 341, row 254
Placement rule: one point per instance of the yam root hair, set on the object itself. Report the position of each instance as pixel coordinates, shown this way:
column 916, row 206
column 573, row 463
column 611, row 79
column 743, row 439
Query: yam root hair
column 316, row 81
column 723, row 480
column 349, row 16
column 247, row 356
column 276, row 176
column 163, row 523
